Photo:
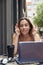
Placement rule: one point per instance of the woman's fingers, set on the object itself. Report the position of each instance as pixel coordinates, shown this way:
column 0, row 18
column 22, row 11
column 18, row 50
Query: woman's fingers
column 17, row 30
column 35, row 29
column 16, row 25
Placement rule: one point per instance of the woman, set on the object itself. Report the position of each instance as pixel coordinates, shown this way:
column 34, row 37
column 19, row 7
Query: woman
column 24, row 31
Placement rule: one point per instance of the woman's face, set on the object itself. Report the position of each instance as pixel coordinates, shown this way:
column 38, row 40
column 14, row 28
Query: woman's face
column 24, row 27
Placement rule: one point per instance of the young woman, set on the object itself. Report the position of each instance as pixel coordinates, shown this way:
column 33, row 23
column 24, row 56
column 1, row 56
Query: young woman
column 24, row 31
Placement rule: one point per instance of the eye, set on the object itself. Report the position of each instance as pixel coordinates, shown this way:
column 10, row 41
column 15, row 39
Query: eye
column 21, row 25
column 26, row 24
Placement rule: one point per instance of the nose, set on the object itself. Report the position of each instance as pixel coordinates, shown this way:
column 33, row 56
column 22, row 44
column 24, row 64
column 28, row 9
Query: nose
column 24, row 26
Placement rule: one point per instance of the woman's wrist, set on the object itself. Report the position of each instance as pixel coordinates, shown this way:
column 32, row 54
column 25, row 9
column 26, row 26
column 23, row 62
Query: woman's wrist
column 35, row 33
column 17, row 35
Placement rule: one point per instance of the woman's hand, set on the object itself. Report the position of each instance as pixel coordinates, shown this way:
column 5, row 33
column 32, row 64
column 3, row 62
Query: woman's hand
column 17, row 30
column 35, row 30
column 35, row 34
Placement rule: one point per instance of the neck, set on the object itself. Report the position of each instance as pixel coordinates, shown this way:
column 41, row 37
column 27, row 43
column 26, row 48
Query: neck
column 25, row 36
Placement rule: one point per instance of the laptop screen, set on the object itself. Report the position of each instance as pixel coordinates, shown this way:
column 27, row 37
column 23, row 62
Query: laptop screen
column 31, row 51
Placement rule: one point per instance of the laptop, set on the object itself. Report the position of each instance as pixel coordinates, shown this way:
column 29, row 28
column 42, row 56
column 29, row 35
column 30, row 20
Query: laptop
column 30, row 52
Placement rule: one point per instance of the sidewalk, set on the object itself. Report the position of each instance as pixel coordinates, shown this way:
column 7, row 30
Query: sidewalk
column 14, row 63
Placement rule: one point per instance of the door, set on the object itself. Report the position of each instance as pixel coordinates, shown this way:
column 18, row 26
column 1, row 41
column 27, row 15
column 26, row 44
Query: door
column 2, row 27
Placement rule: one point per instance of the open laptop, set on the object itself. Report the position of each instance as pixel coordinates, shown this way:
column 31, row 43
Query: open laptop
column 30, row 52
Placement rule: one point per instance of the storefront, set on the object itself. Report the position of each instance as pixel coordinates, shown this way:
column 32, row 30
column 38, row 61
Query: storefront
column 10, row 12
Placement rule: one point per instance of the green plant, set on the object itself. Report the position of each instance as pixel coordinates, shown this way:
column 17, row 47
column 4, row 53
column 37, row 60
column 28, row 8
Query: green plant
column 38, row 19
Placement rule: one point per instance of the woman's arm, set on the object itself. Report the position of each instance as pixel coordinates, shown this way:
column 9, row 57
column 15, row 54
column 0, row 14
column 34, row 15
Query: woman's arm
column 16, row 38
column 36, row 35
column 15, row 42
